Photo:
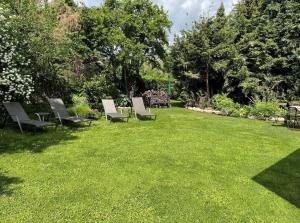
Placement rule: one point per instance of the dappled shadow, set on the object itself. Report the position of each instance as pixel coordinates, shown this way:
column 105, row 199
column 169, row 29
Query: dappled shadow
column 283, row 178
column 6, row 182
column 12, row 141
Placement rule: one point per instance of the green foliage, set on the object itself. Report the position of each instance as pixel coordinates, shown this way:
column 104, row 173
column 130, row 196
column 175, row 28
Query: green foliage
column 79, row 99
column 123, row 101
column 251, row 53
column 15, row 81
column 260, row 109
column 153, row 74
column 189, row 98
column 126, row 34
column 268, row 41
column 99, row 87
column 222, row 103
column 268, row 109
column 157, row 79
column 81, row 107
column 82, row 110
column 44, row 28
column 245, row 110
column 203, row 56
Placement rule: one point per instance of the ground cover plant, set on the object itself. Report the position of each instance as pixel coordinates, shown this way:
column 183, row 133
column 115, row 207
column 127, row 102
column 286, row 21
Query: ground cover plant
column 184, row 167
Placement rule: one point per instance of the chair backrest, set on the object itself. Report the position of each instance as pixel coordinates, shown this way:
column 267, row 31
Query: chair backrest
column 138, row 104
column 15, row 110
column 109, row 106
column 58, row 107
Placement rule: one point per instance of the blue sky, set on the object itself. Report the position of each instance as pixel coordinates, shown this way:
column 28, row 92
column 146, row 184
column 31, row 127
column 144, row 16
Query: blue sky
column 183, row 12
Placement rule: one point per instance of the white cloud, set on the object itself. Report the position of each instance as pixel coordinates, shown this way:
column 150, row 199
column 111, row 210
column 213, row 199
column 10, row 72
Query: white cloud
column 183, row 12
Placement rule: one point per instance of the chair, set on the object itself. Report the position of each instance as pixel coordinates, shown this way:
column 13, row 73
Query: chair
column 62, row 114
column 140, row 110
column 111, row 111
column 18, row 115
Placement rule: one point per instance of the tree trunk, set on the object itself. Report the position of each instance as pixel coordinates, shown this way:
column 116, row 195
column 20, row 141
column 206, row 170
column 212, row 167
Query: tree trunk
column 207, row 82
column 125, row 80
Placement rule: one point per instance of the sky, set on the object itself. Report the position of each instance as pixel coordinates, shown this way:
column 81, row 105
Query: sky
column 183, row 12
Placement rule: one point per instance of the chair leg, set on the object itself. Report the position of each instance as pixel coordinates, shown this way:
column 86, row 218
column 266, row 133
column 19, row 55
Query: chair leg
column 20, row 126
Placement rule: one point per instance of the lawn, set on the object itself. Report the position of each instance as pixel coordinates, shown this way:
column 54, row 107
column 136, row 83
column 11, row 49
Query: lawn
column 184, row 167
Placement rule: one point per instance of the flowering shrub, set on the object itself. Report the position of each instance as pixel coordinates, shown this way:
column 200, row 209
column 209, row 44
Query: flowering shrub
column 14, row 82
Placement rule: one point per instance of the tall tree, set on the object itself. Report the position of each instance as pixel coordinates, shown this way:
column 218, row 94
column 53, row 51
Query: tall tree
column 270, row 46
column 126, row 34
column 207, row 51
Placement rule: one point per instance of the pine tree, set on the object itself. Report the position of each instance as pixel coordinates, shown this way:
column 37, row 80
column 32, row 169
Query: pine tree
column 270, row 48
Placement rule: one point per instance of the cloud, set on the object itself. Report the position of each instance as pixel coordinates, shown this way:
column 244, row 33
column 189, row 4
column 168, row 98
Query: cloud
column 183, row 12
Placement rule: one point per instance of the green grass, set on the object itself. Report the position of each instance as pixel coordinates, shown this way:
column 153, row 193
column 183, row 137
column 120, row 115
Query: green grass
column 184, row 167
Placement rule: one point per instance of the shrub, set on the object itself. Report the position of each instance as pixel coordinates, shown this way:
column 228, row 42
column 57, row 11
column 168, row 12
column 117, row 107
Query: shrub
column 224, row 104
column 190, row 98
column 79, row 99
column 267, row 109
column 15, row 82
column 245, row 111
column 98, row 88
column 123, row 101
column 80, row 107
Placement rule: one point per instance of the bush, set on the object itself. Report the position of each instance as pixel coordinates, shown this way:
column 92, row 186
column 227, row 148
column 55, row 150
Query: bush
column 224, row 104
column 123, row 101
column 245, row 111
column 190, row 98
column 80, row 109
column 267, row 109
column 79, row 99
column 98, row 88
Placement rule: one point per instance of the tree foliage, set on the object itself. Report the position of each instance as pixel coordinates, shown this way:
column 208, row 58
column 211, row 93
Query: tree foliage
column 126, row 34
column 15, row 81
column 251, row 53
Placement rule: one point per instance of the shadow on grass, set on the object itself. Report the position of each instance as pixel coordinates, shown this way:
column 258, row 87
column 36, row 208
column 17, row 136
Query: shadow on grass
column 283, row 178
column 12, row 141
column 5, row 183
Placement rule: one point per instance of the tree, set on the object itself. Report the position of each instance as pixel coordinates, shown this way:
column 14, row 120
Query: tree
column 126, row 34
column 269, row 45
column 46, row 27
column 204, row 54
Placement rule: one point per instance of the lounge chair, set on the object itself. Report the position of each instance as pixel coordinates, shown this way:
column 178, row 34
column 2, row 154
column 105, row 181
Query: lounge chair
column 62, row 114
column 140, row 110
column 111, row 111
column 18, row 115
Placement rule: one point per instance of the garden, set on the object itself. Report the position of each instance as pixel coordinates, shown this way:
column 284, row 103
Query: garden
column 107, row 117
